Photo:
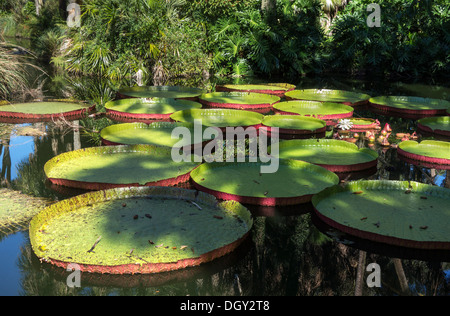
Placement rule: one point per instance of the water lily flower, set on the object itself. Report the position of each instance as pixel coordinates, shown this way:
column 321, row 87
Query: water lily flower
column 345, row 124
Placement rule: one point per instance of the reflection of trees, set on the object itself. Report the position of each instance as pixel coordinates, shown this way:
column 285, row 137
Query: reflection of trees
column 5, row 176
column 31, row 175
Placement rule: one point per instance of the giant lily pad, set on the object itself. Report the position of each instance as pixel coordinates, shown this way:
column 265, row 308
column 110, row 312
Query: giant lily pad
column 294, row 182
column 332, row 154
column 98, row 168
column 429, row 153
column 278, row 89
column 409, row 107
column 220, row 118
column 408, row 214
column 437, row 125
column 43, row 111
column 157, row 134
column 167, row 92
column 147, row 110
column 257, row 102
column 321, row 110
column 293, row 126
column 138, row 230
column 327, row 95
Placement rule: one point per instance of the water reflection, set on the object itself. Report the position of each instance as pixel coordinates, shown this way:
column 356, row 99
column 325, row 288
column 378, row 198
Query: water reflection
column 289, row 252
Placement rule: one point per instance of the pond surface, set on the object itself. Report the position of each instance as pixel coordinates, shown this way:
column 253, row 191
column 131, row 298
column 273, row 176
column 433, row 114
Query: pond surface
column 289, row 251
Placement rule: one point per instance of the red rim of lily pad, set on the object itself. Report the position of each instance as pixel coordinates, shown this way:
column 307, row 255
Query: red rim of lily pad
column 262, row 201
column 422, row 160
column 185, row 93
column 237, row 210
column 292, row 133
column 382, row 106
column 262, row 107
column 424, row 128
column 342, row 168
column 355, row 188
column 96, row 186
column 129, row 117
column 360, row 98
column 17, row 117
column 364, row 127
column 284, row 87
column 331, row 119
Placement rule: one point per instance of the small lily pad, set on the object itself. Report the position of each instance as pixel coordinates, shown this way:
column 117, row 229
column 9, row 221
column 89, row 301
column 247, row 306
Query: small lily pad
column 328, row 95
column 429, row 153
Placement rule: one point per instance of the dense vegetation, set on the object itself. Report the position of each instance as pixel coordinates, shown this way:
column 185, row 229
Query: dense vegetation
column 154, row 40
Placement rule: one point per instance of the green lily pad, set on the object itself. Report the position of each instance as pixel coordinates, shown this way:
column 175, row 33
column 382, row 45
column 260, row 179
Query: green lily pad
column 168, row 92
column 157, row 134
column 278, row 89
column 147, row 109
column 328, row 95
column 409, row 214
column 293, row 126
column 431, row 153
column 293, row 182
column 138, row 230
column 294, row 122
column 320, row 110
column 411, row 107
column 334, row 155
column 438, row 125
column 239, row 100
column 219, row 117
column 104, row 167
column 363, row 124
column 43, row 111
column 17, row 209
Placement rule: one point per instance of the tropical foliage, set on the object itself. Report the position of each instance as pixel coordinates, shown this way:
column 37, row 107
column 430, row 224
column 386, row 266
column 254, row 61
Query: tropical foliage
column 118, row 39
column 152, row 41
column 245, row 42
column 412, row 40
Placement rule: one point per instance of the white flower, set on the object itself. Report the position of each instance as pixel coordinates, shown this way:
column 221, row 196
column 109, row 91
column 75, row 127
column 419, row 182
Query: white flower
column 345, row 124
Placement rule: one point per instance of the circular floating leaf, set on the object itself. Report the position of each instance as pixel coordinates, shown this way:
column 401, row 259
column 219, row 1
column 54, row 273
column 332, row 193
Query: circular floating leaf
column 438, row 126
column 405, row 214
column 257, row 102
column 363, row 124
column 150, row 109
column 294, row 181
column 429, row 153
column 138, row 230
column 294, row 126
column 278, row 89
column 168, row 92
column 327, row 95
column 334, row 155
column 98, row 168
column 409, row 107
column 221, row 118
column 43, row 111
column 321, row 110
column 157, row 134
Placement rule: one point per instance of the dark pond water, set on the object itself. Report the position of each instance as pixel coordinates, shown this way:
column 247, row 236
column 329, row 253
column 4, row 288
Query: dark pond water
column 289, row 252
